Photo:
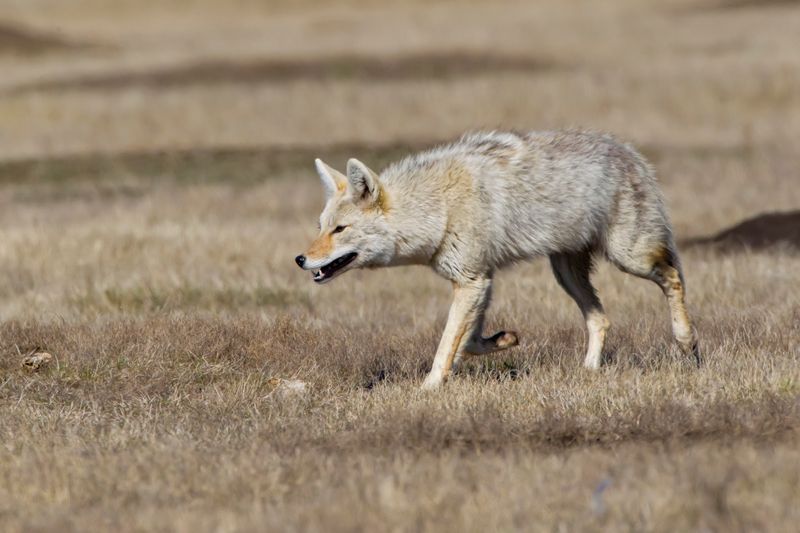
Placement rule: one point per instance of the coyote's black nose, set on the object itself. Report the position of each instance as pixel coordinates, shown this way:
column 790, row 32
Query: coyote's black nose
column 300, row 260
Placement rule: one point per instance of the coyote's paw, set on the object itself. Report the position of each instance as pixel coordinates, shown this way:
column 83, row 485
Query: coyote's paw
column 499, row 341
column 432, row 382
column 506, row 339
column 592, row 363
column 691, row 348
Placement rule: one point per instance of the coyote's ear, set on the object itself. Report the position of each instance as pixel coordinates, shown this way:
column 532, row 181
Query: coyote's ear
column 332, row 179
column 363, row 182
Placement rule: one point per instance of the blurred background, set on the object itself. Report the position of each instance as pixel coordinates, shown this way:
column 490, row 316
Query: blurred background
column 134, row 75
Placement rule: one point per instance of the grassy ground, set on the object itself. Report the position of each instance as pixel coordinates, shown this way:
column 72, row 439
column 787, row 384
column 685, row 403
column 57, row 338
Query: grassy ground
column 150, row 211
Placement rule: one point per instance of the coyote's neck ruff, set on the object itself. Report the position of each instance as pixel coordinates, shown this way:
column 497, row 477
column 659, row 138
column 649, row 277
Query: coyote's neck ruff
column 489, row 199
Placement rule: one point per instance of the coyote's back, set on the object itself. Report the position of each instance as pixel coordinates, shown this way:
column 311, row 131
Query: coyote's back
column 541, row 193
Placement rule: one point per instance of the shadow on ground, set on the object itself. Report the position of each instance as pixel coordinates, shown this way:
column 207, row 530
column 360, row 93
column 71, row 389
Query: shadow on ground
column 767, row 230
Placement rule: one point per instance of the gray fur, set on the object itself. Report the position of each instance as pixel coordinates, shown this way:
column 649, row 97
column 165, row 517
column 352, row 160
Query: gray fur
column 534, row 194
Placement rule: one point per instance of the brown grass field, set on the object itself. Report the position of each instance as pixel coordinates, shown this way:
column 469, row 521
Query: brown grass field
column 156, row 180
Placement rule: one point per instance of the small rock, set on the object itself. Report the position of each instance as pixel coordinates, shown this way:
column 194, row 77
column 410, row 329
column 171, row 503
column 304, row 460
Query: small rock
column 36, row 360
column 288, row 387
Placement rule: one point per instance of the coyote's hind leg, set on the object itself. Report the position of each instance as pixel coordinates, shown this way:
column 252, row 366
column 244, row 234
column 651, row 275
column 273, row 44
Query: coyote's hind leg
column 670, row 279
column 661, row 265
column 572, row 271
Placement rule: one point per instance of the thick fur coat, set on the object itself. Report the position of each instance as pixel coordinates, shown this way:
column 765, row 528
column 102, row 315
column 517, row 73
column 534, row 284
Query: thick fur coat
column 471, row 207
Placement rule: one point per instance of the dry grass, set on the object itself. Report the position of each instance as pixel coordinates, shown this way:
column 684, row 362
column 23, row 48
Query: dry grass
column 147, row 231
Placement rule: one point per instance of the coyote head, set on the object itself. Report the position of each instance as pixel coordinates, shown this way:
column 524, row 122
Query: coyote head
column 353, row 231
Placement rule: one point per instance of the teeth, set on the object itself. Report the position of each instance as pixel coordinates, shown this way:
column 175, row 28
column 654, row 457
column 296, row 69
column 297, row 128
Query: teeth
column 328, row 271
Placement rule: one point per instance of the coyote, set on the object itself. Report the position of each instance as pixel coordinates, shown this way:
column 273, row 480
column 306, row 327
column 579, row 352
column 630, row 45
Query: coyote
column 489, row 199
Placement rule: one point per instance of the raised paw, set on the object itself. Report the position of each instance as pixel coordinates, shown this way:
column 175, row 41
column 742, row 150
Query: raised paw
column 505, row 339
column 499, row 341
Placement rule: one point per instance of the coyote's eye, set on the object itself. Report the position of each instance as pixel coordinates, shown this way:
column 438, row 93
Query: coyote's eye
column 338, row 229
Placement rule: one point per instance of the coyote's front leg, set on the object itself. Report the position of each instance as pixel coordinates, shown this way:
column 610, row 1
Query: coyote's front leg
column 462, row 334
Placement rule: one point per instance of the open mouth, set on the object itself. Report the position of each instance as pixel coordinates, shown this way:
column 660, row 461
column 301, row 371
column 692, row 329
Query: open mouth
column 327, row 272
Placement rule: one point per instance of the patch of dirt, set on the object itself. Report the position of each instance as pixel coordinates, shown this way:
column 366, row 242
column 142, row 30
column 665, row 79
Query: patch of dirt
column 20, row 40
column 738, row 4
column 721, row 6
column 760, row 232
column 412, row 67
